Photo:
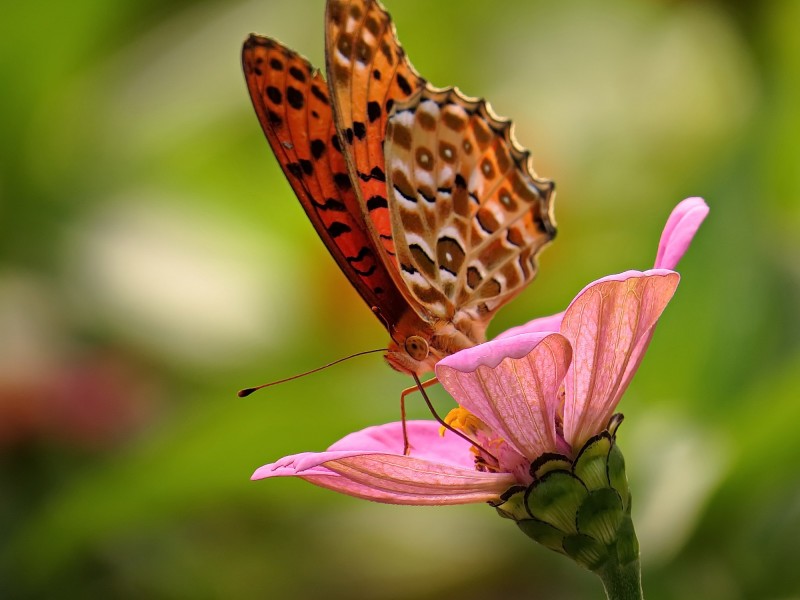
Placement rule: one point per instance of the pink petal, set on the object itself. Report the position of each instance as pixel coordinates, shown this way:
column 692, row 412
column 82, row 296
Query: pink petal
column 609, row 325
column 384, row 476
column 423, row 437
column 679, row 231
column 540, row 325
column 512, row 385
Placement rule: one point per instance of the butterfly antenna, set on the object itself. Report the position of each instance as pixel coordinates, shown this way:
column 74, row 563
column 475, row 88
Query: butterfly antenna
column 250, row 390
column 445, row 425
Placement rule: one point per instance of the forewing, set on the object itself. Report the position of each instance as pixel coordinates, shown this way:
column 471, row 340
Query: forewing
column 292, row 103
column 469, row 214
column 368, row 73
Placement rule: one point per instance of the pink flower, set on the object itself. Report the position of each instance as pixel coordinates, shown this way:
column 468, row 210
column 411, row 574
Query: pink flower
column 521, row 396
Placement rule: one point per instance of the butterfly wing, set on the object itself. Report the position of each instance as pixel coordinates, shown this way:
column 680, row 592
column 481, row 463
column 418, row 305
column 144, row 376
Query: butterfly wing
column 368, row 73
column 292, row 103
column 469, row 214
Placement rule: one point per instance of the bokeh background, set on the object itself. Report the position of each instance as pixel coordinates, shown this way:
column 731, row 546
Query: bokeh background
column 154, row 261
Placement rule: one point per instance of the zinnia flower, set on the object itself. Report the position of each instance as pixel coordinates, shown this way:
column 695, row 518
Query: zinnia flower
column 538, row 402
column 510, row 387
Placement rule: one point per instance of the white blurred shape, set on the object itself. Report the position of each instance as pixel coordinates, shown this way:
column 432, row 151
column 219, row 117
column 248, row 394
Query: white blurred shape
column 673, row 468
column 195, row 286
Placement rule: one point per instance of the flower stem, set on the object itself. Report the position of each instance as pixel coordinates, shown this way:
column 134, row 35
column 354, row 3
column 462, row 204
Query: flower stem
column 622, row 582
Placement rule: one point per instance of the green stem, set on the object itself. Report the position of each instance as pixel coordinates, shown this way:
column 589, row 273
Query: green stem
column 622, row 582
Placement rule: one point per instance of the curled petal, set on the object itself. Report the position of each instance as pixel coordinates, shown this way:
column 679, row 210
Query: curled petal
column 383, row 476
column 540, row 325
column 609, row 325
column 512, row 385
column 679, row 232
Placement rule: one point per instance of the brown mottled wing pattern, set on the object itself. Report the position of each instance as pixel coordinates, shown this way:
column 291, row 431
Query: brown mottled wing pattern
column 469, row 215
column 292, row 103
column 368, row 73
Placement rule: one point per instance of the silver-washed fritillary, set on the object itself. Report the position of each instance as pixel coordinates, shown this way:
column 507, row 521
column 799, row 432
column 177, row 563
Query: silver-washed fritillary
column 422, row 195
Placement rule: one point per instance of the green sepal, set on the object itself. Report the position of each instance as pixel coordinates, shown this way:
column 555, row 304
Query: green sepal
column 555, row 499
column 586, row 551
column 590, row 465
column 627, row 543
column 600, row 515
column 614, row 422
column 582, row 509
column 548, row 462
column 616, row 474
column 512, row 504
column 544, row 533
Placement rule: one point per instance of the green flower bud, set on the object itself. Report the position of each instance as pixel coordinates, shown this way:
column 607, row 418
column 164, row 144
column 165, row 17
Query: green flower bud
column 581, row 507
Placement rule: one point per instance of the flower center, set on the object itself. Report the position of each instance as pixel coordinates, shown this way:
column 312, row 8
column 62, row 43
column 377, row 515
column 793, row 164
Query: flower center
column 461, row 419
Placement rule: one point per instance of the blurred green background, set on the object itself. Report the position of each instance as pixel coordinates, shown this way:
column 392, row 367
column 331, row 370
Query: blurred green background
column 154, row 261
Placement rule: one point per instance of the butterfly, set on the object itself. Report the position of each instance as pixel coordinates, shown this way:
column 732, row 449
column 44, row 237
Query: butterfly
column 422, row 195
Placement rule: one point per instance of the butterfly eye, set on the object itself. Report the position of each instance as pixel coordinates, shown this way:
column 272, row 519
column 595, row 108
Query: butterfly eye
column 417, row 347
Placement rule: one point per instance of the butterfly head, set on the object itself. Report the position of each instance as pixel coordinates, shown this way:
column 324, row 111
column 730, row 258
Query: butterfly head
column 417, row 346
column 412, row 354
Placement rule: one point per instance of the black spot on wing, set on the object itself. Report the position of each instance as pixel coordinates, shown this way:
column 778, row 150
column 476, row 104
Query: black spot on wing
column 342, row 181
column 319, row 94
column 364, row 272
column 336, row 229
column 295, row 98
column 408, row 268
column 403, row 84
column 409, row 198
column 317, row 149
column 274, row 94
column 295, row 169
column 376, row 173
column 331, row 204
column 373, row 111
column 377, row 202
column 306, row 165
column 426, row 196
column 359, row 129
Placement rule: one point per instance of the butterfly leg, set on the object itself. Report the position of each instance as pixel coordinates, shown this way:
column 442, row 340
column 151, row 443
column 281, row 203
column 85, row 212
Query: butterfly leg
column 403, row 394
column 421, row 388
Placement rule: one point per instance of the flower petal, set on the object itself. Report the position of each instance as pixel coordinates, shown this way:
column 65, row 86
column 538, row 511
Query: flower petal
column 679, row 232
column 512, row 386
column 423, row 437
column 609, row 325
column 384, row 476
column 540, row 325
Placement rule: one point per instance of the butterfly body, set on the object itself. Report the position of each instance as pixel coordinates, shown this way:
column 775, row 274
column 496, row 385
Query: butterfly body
column 421, row 195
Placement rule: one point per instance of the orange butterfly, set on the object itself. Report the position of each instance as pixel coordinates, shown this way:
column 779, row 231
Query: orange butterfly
column 421, row 195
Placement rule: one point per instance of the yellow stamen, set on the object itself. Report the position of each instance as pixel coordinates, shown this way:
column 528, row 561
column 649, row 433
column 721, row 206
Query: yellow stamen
column 463, row 420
